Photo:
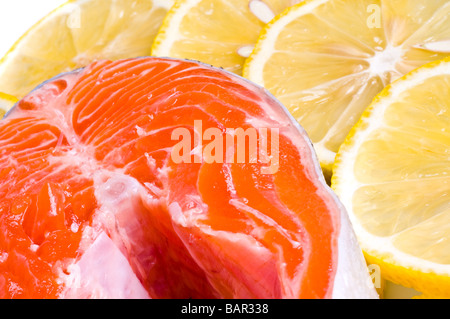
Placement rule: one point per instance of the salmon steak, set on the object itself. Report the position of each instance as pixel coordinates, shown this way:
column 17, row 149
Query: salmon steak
column 166, row 178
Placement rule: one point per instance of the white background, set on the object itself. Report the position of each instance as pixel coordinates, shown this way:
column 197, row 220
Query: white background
column 17, row 16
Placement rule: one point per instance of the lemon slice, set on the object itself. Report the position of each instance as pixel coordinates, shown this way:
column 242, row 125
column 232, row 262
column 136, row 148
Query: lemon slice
column 393, row 175
column 6, row 102
column 218, row 32
column 325, row 60
column 77, row 33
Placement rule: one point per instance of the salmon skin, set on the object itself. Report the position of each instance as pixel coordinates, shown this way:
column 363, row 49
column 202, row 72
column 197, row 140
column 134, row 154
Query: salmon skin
column 95, row 203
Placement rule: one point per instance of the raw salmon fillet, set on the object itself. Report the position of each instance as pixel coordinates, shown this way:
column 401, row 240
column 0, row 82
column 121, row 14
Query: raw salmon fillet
column 93, row 205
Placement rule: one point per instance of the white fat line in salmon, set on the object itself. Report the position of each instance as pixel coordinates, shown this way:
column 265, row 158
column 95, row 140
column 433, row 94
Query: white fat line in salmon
column 230, row 145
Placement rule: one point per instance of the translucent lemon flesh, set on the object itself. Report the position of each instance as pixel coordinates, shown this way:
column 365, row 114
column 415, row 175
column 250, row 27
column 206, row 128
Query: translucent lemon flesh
column 6, row 102
column 393, row 175
column 218, row 32
column 78, row 33
column 326, row 60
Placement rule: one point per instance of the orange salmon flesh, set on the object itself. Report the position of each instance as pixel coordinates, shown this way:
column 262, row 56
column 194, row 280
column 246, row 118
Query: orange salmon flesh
column 92, row 204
